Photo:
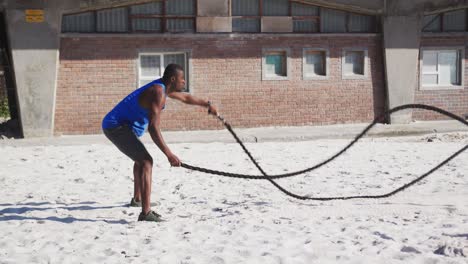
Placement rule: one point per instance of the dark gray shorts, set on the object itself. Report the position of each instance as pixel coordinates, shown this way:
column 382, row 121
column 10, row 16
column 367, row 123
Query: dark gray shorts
column 127, row 142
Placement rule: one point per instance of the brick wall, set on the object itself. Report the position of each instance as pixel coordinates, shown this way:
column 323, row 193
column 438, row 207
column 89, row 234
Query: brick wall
column 454, row 100
column 96, row 72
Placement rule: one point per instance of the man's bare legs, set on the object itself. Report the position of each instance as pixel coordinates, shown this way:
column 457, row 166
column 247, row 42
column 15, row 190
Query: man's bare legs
column 136, row 182
column 145, row 184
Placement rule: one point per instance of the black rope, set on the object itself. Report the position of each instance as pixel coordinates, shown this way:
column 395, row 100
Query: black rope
column 359, row 136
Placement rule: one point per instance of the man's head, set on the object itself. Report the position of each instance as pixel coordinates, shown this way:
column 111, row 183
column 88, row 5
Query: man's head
column 174, row 77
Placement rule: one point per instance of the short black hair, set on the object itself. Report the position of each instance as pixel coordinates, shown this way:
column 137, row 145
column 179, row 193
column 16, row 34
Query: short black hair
column 171, row 70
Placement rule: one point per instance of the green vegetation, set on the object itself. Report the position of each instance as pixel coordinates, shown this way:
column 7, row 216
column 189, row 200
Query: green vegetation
column 4, row 110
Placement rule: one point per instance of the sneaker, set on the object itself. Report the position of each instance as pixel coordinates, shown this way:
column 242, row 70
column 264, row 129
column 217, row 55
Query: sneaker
column 134, row 203
column 151, row 216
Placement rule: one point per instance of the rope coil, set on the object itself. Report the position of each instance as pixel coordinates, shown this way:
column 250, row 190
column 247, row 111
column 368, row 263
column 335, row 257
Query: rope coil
column 378, row 119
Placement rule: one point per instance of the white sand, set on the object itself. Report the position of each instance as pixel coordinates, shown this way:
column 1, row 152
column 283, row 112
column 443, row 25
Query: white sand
column 67, row 204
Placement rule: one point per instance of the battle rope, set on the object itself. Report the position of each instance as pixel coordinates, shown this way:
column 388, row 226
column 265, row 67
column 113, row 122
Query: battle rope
column 359, row 136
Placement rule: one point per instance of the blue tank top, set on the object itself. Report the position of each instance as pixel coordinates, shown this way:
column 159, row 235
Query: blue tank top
column 129, row 112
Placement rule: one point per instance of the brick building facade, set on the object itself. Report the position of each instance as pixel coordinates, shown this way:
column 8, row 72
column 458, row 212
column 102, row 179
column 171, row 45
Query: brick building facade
column 262, row 62
column 96, row 72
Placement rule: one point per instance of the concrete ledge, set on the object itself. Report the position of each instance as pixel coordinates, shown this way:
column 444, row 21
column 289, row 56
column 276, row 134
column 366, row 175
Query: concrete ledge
column 267, row 134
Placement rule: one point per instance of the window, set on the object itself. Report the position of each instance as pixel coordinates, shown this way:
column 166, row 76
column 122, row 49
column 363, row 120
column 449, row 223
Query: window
column 151, row 66
column 441, row 67
column 245, row 15
column 354, row 64
column 157, row 16
column 315, row 64
column 452, row 21
column 307, row 18
column 275, row 64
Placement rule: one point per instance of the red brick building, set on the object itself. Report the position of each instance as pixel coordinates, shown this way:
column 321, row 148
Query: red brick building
column 262, row 62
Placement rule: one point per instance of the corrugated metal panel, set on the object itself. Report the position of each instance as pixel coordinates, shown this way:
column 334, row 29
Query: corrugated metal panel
column 78, row 23
column 431, row 23
column 146, row 24
column 333, row 21
column 304, row 10
column 455, row 20
column 112, row 20
column 180, row 7
column 305, row 26
column 361, row 23
column 245, row 7
column 154, row 8
column 180, row 25
column 246, row 25
column 275, row 7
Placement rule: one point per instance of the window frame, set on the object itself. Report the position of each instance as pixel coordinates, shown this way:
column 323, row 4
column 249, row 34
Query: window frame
column 461, row 71
column 326, row 64
column 287, row 53
column 164, row 17
column 364, row 76
column 161, row 53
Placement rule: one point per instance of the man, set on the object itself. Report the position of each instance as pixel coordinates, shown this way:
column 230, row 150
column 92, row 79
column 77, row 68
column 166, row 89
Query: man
column 142, row 109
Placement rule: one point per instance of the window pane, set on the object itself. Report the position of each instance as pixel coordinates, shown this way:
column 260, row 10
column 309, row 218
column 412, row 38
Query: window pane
column 150, row 66
column 78, row 23
column 143, row 82
column 333, row 21
column 154, row 8
column 112, row 20
column 429, row 79
column 275, row 7
column 174, row 58
column 429, row 61
column 431, row 23
column 315, row 63
column 245, row 7
column 354, row 63
column 178, row 59
column 245, row 25
column 180, row 7
column 180, row 25
column 304, row 10
column 305, row 26
column 146, row 24
column 449, row 69
column 455, row 21
column 275, row 65
column 361, row 23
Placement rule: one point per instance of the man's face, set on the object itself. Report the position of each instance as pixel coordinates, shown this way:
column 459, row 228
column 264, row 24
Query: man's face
column 179, row 81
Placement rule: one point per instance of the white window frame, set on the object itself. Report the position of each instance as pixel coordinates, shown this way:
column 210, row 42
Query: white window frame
column 327, row 64
column 161, row 54
column 461, row 64
column 287, row 53
column 366, row 63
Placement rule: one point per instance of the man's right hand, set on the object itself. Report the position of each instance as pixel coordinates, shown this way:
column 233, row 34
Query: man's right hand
column 173, row 160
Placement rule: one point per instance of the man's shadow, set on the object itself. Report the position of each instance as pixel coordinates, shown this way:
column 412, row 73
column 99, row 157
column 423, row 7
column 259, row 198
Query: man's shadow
column 14, row 213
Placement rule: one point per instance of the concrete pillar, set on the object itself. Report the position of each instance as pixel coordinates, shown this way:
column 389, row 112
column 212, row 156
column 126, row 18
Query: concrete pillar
column 402, row 36
column 34, row 43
